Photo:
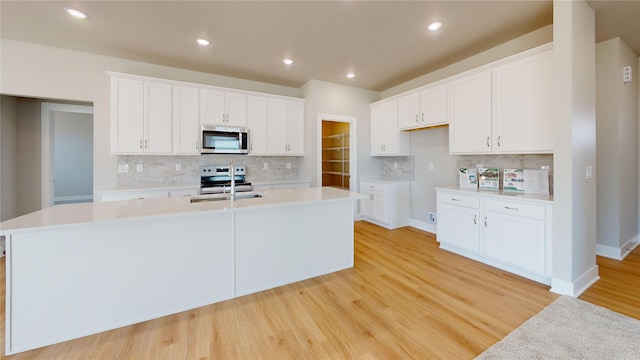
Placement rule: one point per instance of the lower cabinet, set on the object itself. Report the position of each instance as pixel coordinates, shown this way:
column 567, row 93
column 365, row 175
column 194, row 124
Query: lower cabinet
column 388, row 203
column 509, row 232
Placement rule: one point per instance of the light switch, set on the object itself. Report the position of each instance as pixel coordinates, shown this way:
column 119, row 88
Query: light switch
column 178, row 167
column 430, row 166
column 266, row 166
column 589, row 172
column 626, row 74
column 139, row 167
column 123, row 168
column 288, row 165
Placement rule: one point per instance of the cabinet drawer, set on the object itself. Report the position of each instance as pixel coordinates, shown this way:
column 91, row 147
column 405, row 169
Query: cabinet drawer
column 460, row 200
column 365, row 185
column 516, row 208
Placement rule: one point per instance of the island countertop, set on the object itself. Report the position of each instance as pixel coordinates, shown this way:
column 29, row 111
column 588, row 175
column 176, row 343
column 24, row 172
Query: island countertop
column 68, row 214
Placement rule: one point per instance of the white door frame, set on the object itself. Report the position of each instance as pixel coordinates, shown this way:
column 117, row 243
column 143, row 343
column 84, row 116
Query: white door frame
column 46, row 148
column 353, row 147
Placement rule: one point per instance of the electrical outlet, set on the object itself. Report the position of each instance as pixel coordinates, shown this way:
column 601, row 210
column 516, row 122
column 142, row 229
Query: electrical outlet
column 139, row 167
column 544, row 167
column 288, row 165
column 430, row 166
column 432, row 217
column 266, row 166
column 178, row 167
column 588, row 172
column 123, row 168
column 395, row 165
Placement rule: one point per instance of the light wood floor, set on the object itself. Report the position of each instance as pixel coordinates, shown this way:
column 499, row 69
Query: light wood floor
column 404, row 299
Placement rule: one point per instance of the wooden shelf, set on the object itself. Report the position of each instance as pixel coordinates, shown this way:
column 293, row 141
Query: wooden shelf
column 335, row 161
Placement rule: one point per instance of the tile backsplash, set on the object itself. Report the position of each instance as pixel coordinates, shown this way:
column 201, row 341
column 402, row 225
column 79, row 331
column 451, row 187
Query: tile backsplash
column 397, row 168
column 161, row 170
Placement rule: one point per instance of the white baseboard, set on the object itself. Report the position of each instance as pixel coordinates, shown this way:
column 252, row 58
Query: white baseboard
column 617, row 253
column 425, row 226
column 576, row 287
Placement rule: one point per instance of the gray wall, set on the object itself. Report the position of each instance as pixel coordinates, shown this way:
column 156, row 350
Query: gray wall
column 617, row 148
column 73, row 154
column 8, row 157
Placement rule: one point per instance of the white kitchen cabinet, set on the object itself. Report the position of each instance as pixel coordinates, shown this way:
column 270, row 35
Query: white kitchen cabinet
column 515, row 234
column 257, row 124
column 285, row 127
column 423, row 108
column 523, row 105
column 186, row 121
column 141, row 117
column 386, row 139
column 224, row 108
column 388, row 203
column 511, row 232
column 469, row 112
column 459, row 220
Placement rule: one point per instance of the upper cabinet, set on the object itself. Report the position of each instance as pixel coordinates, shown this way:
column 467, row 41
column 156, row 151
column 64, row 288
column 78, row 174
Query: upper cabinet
column 424, row 108
column 186, row 123
column 523, row 105
column 141, row 118
column 157, row 116
column 386, row 140
column 469, row 110
column 257, row 124
column 223, row 108
column 285, row 127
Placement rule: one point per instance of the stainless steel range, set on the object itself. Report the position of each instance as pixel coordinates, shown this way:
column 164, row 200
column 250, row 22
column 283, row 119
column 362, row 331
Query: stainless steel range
column 217, row 179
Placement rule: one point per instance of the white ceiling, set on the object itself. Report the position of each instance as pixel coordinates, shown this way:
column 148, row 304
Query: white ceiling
column 384, row 42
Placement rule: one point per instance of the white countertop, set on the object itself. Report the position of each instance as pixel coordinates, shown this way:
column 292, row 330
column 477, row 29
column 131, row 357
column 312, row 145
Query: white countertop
column 167, row 187
column 68, row 214
column 542, row 198
column 383, row 181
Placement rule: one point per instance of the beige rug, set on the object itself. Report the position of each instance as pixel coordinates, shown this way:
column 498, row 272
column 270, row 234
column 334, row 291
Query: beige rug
column 571, row 329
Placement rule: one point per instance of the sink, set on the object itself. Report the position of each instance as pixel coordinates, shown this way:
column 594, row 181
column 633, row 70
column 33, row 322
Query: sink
column 220, row 197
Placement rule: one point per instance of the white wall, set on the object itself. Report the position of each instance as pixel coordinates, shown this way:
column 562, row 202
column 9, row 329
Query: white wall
column 574, row 208
column 45, row 72
column 329, row 98
column 73, row 154
column 28, row 156
column 8, row 157
column 617, row 149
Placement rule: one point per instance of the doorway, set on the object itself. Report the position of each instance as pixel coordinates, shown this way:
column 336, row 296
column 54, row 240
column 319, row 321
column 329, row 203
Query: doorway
column 337, row 151
column 67, row 154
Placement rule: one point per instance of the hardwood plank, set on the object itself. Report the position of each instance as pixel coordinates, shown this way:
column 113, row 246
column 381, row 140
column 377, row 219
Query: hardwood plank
column 405, row 298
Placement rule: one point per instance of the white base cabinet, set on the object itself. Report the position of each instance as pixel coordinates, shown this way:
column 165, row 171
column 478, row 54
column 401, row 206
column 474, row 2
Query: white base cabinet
column 388, row 203
column 511, row 232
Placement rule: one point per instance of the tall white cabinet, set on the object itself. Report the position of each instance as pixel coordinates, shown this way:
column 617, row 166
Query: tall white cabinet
column 285, row 127
column 141, row 117
column 186, row 120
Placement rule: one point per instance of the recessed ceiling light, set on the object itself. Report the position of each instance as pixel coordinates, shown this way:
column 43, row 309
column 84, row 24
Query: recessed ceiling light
column 351, row 75
column 76, row 13
column 287, row 61
column 434, row 26
column 203, row 42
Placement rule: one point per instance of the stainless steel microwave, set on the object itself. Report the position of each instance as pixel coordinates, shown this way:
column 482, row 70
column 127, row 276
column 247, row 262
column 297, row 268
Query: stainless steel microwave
column 224, row 140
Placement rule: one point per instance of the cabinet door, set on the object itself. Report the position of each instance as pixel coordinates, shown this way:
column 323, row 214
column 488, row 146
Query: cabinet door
column 157, row 118
column 212, row 107
column 236, row 105
column 408, row 111
column 185, row 120
column 366, row 205
column 257, row 123
column 469, row 112
column 295, row 128
column 380, row 211
column 127, row 116
column 277, row 126
column 523, row 105
column 459, row 226
column 384, row 128
column 433, row 106
column 516, row 240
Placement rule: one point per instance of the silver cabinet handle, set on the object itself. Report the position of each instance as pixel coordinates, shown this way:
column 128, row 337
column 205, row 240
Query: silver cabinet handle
column 488, row 144
column 475, row 219
column 485, row 221
column 140, row 143
column 511, row 208
column 454, row 199
column 196, row 145
column 416, row 118
column 422, row 117
column 499, row 141
column 146, row 143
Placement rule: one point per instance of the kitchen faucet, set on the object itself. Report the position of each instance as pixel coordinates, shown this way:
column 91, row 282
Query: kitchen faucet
column 232, row 174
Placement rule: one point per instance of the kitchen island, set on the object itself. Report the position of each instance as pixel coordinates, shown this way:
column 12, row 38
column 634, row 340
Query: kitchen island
column 79, row 269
